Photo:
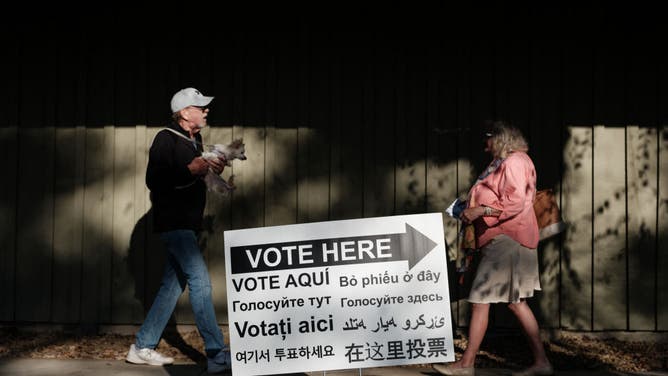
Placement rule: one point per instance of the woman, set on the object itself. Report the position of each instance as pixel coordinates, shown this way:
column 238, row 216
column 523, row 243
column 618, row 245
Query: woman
column 500, row 206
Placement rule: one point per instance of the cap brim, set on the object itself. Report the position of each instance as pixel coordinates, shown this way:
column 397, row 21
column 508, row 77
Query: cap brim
column 202, row 101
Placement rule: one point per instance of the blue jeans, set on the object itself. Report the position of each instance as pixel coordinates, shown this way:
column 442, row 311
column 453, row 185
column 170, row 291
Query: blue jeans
column 184, row 265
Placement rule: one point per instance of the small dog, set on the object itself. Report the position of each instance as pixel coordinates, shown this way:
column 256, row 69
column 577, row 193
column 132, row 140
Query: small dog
column 235, row 150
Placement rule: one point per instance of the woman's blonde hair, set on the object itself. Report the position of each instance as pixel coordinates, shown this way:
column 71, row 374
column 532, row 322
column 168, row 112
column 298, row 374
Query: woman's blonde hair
column 506, row 139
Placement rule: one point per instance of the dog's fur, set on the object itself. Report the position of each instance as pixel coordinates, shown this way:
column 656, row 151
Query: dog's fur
column 235, row 150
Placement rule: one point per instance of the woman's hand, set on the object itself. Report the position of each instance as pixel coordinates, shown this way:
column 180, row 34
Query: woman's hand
column 471, row 214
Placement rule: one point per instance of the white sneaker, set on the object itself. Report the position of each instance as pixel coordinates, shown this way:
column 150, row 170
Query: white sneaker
column 147, row 356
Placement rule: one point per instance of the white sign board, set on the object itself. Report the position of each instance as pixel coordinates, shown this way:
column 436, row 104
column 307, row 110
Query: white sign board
column 346, row 294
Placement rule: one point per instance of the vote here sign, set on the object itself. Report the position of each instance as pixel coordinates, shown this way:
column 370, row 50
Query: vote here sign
column 345, row 294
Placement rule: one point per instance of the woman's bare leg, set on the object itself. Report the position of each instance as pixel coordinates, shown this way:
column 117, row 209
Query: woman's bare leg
column 531, row 330
column 477, row 329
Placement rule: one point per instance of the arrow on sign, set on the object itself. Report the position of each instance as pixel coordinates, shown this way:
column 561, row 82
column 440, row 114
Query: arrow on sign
column 410, row 246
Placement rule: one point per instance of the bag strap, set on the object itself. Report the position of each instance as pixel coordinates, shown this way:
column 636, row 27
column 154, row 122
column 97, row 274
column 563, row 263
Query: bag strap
column 184, row 137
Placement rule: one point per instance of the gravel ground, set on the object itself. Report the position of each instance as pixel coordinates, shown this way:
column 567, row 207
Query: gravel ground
column 566, row 351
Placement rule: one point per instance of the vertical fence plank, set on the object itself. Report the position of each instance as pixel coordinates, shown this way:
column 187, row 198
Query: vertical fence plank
column 281, row 176
column 68, row 223
column 662, row 209
column 368, row 119
column 662, row 264
column 283, row 76
column 320, row 134
column 546, row 148
column 441, row 163
column 34, row 237
column 576, row 279
column 281, row 142
column 304, row 69
column 401, row 174
column 249, row 196
column 417, row 127
column 314, row 136
column 96, row 239
column 379, row 137
column 610, row 253
column 217, row 214
column 154, row 250
column 576, row 258
column 347, row 162
column 609, row 278
column 411, row 138
column 410, row 142
column 127, row 266
column 465, row 172
column 336, row 181
column 465, row 165
column 9, row 144
column 642, row 200
column 108, row 215
column 643, row 68
column 8, row 216
column 139, row 241
column 305, row 182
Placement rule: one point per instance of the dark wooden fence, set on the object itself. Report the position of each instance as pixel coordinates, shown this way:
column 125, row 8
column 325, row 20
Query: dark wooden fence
column 338, row 123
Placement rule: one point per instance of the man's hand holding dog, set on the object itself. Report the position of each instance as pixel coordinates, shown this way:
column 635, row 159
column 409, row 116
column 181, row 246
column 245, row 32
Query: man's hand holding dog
column 198, row 166
column 217, row 164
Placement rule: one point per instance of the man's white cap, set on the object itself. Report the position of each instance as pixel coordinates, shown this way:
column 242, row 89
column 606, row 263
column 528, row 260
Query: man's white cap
column 189, row 97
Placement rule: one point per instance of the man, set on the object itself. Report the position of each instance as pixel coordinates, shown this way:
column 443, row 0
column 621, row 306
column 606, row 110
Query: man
column 178, row 194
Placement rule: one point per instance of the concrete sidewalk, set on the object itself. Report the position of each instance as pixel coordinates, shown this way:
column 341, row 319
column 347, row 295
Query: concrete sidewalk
column 49, row 367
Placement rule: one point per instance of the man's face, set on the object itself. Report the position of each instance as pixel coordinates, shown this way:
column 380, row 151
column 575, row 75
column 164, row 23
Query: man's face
column 197, row 116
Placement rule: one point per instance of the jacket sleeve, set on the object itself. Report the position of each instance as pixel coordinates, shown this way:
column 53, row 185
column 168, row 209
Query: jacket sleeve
column 164, row 171
column 512, row 190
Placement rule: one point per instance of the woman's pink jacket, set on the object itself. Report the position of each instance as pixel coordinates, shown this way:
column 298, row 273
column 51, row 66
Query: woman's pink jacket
column 511, row 188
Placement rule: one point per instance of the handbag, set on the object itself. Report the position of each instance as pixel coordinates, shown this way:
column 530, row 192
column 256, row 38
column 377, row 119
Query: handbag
column 469, row 263
column 548, row 214
column 468, row 246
